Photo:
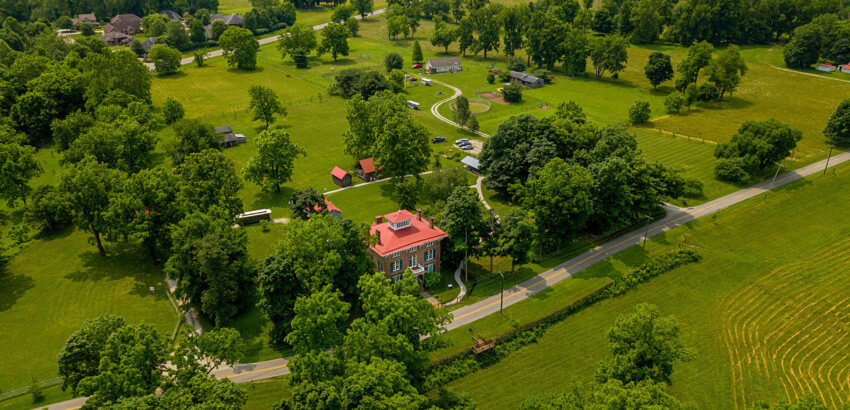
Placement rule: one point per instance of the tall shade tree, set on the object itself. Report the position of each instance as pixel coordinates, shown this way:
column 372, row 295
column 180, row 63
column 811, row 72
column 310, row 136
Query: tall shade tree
column 146, row 209
column 443, row 35
column 124, row 144
column 544, row 39
column 760, row 144
column 560, row 198
column 17, row 167
column 319, row 321
column 265, row 103
column 461, row 110
column 487, row 24
column 279, row 288
column 646, row 21
column 80, row 356
column 804, row 48
column 517, row 238
column 32, row 114
column 274, row 162
column 166, row 60
column 326, row 251
column 131, row 365
column 209, row 260
column 334, row 40
column 298, row 37
column 463, row 221
column 658, row 69
column 644, row 345
column 609, row 53
column 837, row 130
column 208, row 179
column 699, row 56
column 89, row 185
column 192, row 136
column 240, row 47
column 515, row 19
column 172, row 110
column 726, row 70
column 363, row 7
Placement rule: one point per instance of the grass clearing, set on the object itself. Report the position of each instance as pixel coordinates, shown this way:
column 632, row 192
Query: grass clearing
column 266, row 393
column 766, row 308
column 58, row 282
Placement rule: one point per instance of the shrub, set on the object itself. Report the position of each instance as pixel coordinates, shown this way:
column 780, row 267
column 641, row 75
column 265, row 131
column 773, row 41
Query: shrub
column 48, row 209
column 512, row 93
column 516, row 64
column 199, row 57
column 299, row 55
column 441, row 184
column 691, row 95
column 491, row 78
column 504, row 76
column 64, row 23
column 393, row 61
column 36, row 392
column 86, row 29
column 166, row 60
column 707, row 92
column 360, row 81
column 432, row 280
column 732, row 170
column 692, row 188
column 639, row 112
column 544, row 75
column 674, row 102
column 172, row 110
column 137, row 48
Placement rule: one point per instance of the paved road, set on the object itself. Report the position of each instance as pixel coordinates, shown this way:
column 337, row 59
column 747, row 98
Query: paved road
column 675, row 217
column 266, row 40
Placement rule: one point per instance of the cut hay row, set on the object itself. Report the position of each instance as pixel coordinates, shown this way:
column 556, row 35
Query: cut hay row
column 789, row 325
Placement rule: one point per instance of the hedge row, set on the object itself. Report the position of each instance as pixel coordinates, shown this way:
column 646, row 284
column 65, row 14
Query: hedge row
column 466, row 363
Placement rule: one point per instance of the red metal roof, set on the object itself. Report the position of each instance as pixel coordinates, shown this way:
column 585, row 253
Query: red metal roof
column 331, row 206
column 416, row 234
column 367, row 165
column 339, row 173
column 399, row 216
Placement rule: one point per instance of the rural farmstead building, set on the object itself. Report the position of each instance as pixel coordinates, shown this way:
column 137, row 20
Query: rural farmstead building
column 406, row 241
column 443, row 65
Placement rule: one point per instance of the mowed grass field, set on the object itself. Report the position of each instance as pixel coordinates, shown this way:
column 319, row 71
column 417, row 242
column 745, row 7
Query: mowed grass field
column 58, row 282
column 766, row 309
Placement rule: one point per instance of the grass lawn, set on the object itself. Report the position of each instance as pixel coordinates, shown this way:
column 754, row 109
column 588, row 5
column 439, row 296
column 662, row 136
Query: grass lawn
column 266, row 393
column 766, row 308
column 58, row 282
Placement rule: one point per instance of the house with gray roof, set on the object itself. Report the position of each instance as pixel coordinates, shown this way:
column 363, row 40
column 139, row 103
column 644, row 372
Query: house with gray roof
column 443, row 65
column 228, row 138
column 84, row 18
column 148, row 43
column 115, row 38
column 526, row 79
column 128, row 24
column 172, row 15
column 229, row 19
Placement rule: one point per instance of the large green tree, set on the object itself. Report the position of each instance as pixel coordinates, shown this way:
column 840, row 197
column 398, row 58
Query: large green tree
column 131, row 364
column 240, row 47
column 208, row 179
column 726, row 70
column 80, row 356
column 334, row 40
column 760, row 144
column 658, row 69
column 265, row 103
column 560, row 198
column 319, row 321
column 166, row 60
column 463, row 221
column 644, row 346
column 209, row 260
column 517, row 237
column 146, row 209
column 279, row 288
column 298, row 37
column 609, row 53
column 274, row 162
column 837, row 130
column 17, row 167
column 192, row 136
column 89, row 186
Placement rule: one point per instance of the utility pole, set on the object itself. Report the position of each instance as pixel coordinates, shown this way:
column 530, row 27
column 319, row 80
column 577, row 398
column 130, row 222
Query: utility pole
column 502, row 293
column 775, row 175
column 827, row 159
column 646, row 230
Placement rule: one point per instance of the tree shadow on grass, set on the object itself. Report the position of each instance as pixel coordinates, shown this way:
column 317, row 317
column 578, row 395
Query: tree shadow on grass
column 122, row 261
column 268, row 199
column 14, row 287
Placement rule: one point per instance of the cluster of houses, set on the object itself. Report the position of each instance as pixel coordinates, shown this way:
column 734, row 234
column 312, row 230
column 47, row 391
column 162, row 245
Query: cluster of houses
column 365, row 170
column 826, row 67
column 121, row 28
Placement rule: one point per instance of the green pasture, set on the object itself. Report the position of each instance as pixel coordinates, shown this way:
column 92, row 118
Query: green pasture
column 765, row 309
column 56, row 283
column 265, row 394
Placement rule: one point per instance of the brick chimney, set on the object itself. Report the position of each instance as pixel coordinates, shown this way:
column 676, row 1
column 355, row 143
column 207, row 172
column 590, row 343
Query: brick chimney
column 418, row 214
column 431, row 222
column 378, row 234
column 379, row 219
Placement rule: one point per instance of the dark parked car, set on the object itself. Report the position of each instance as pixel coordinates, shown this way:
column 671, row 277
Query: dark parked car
column 438, row 139
column 466, row 147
